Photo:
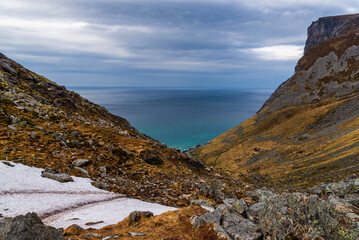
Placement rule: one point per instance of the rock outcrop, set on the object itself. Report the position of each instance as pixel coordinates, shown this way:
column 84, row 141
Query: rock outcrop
column 307, row 131
column 329, row 27
column 28, row 227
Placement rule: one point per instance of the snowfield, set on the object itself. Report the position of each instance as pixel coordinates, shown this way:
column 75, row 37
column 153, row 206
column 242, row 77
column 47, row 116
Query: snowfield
column 23, row 190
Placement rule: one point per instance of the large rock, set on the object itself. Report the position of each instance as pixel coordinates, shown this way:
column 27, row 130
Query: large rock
column 60, row 177
column 151, row 157
column 302, row 216
column 28, row 227
column 240, row 228
column 235, row 205
column 80, row 162
column 6, row 67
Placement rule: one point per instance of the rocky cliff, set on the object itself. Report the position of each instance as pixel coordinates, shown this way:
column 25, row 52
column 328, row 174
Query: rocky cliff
column 329, row 27
column 307, row 131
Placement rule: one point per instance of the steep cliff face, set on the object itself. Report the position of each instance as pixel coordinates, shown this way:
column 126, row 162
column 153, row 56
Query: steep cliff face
column 329, row 27
column 308, row 130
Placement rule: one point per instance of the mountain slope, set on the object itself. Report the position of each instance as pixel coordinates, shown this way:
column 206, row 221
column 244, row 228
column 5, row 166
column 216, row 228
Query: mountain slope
column 308, row 130
column 44, row 125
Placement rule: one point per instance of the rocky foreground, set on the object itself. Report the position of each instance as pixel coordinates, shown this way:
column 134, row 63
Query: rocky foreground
column 326, row 211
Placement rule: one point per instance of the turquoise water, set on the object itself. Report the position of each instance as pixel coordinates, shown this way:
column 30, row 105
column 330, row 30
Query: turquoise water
column 180, row 118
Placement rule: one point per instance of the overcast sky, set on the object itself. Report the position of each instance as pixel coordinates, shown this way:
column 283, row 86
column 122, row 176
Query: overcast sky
column 162, row 43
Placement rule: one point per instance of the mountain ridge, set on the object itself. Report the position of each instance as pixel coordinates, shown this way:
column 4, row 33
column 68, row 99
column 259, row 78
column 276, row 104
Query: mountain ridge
column 305, row 132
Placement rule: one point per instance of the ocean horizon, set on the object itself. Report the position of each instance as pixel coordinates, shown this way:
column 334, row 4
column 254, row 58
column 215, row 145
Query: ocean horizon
column 179, row 117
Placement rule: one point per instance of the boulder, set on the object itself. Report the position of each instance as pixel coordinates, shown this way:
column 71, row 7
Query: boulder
column 28, row 227
column 7, row 68
column 210, row 217
column 151, row 157
column 240, row 228
column 254, row 211
column 60, row 177
column 80, row 162
column 235, row 205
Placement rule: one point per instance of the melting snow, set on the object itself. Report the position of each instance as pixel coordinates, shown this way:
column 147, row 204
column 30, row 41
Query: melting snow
column 23, row 190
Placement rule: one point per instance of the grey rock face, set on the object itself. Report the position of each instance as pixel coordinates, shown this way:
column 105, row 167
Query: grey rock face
column 240, row 228
column 60, row 177
column 328, row 27
column 210, row 218
column 254, row 211
column 29, row 227
column 311, row 85
column 304, row 216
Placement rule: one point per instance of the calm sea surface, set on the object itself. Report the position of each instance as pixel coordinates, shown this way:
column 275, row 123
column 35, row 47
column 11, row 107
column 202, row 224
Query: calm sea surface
column 181, row 118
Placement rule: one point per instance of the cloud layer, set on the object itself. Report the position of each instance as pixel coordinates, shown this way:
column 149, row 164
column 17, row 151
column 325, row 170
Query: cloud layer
column 161, row 43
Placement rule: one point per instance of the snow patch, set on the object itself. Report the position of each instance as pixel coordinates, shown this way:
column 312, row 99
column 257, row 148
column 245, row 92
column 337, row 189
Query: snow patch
column 23, row 190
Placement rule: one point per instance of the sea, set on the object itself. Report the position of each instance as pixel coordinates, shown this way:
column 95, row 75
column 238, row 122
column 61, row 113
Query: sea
column 179, row 117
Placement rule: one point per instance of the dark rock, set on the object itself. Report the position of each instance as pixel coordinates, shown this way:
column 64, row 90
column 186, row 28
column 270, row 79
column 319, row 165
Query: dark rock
column 80, row 162
column 101, row 185
column 151, row 157
column 34, row 135
column 60, row 177
column 119, row 151
column 135, row 216
column 29, row 227
column 8, row 164
column 74, row 133
column 7, row 68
